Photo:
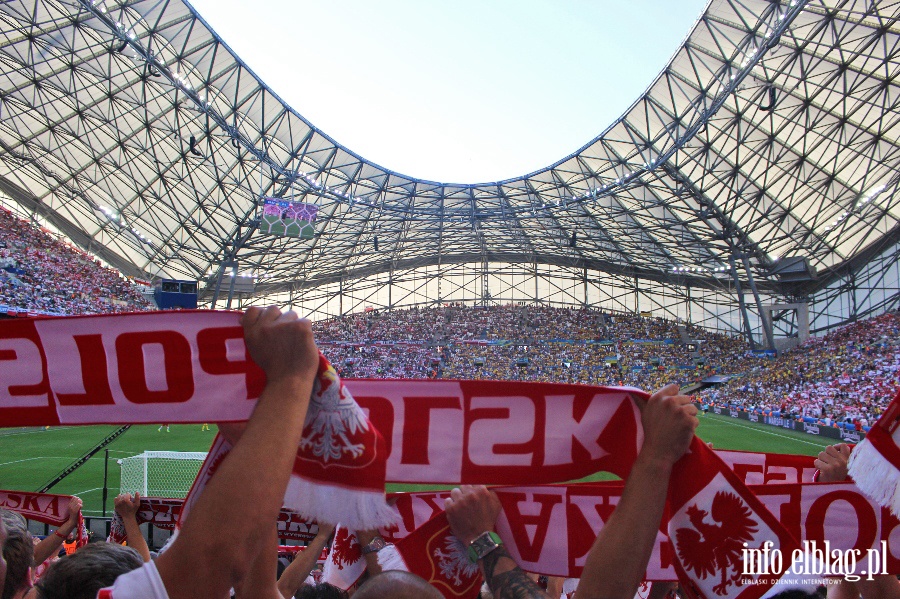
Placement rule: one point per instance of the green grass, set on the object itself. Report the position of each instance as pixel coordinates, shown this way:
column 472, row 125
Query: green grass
column 29, row 457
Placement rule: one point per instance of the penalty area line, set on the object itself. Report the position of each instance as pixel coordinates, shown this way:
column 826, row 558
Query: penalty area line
column 759, row 430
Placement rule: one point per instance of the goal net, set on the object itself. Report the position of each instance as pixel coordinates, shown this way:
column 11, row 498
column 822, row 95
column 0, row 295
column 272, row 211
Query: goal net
column 160, row 473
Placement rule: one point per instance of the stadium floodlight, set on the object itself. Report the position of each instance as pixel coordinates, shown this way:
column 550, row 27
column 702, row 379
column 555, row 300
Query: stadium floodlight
column 868, row 197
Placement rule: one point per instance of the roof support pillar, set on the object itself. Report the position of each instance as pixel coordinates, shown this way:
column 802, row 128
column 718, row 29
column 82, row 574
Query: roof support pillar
column 748, row 331
column 767, row 325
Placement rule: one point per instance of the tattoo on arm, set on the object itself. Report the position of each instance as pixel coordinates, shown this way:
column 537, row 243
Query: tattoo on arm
column 506, row 579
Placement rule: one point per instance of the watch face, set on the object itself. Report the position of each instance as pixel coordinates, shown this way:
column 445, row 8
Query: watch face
column 377, row 544
column 483, row 545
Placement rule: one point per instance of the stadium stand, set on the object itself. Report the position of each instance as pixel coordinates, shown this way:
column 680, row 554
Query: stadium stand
column 572, row 345
column 845, row 378
column 43, row 275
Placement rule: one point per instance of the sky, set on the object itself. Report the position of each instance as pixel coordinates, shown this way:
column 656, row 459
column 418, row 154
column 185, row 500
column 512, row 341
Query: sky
column 467, row 91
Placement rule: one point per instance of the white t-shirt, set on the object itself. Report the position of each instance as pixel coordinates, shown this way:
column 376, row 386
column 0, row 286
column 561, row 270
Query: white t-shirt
column 143, row 583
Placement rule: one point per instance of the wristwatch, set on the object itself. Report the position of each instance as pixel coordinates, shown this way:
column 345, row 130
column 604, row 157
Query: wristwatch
column 376, row 544
column 482, row 545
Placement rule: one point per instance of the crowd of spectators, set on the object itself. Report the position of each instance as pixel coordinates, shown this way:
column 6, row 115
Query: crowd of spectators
column 42, row 274
column 533, row 343
column 847, row 376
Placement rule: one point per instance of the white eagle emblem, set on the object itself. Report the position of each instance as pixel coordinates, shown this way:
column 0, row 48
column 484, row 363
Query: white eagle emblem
column 333, row 414
column 455, row 564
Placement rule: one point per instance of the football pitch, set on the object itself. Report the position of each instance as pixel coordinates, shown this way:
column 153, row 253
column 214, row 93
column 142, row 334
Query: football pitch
column 31, row 457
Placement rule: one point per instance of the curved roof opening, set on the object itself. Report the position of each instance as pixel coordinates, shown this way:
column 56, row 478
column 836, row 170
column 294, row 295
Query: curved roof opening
column 462, row 92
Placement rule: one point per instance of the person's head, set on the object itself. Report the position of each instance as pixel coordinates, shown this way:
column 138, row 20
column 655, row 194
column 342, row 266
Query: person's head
column 18, row 553
column 83, row 573
column 397, row 584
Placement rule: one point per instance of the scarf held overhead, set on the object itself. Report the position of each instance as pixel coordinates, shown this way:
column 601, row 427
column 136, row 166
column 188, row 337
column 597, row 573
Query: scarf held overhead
column 549, row 529
column 193, row 367
column 179, row 367
column 187, row 367
column 43, row 507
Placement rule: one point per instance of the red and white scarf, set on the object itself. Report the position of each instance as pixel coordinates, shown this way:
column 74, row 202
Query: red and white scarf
column 549, row 529
column 46, row 508
column 193, row 367
column 164, row 513
column 188, row 367
column 875, row 462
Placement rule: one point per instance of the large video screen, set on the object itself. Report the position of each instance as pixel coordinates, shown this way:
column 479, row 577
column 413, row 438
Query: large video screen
column 289, row 219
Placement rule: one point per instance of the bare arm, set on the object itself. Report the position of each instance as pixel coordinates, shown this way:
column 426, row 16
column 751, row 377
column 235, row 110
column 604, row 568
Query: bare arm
column 260, row 581
column 294, row 575
column 506, row 579
column 618, row 559
column 472, row 510
column 205, row 560
column 660, row 590
column 127, row 507
column 884, row 586
column 49, row 545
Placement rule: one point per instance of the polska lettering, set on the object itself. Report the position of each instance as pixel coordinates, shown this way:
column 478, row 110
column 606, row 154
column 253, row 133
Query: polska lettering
column 33, row 505
column 79, row 370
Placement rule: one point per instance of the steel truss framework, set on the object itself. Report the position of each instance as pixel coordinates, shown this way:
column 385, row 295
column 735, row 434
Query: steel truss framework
column 136, row 132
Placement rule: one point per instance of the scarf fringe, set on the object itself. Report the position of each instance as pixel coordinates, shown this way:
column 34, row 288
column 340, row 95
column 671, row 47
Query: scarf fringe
column 390, row 559
column 353, row 508
column 875, row 476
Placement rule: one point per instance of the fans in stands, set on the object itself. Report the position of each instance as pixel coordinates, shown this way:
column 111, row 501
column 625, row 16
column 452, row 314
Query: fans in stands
column 18, row 554
column 23, row 556
column 126, row 507
column 574, row 345
column 297, row 572
column 844, row 378
column 41, row 274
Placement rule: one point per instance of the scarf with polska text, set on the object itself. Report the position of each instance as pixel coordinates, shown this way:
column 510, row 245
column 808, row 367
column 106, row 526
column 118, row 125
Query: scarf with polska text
column 46, row 508
column 164, row 513
column 549, row 529
column 192, row 367
column 711, row 514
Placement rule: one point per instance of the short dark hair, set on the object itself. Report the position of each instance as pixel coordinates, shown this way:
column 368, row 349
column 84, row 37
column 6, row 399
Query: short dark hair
column 83, row 573
column 320, row 591
column 18, row 552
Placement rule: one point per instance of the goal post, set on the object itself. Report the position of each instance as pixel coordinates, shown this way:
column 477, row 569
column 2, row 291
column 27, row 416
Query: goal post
column 160, row 473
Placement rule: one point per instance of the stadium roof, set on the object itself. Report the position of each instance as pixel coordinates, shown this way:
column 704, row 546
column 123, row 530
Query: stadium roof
column 773, row 132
